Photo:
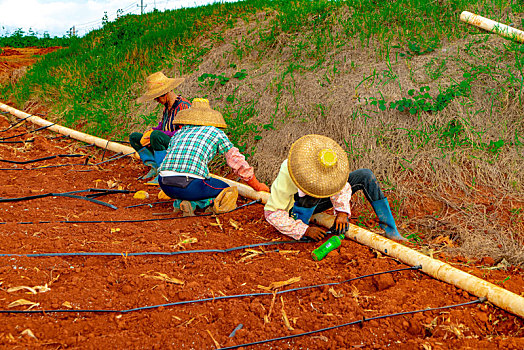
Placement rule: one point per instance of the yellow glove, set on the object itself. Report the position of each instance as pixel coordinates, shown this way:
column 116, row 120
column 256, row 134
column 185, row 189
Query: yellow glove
column 144, row 141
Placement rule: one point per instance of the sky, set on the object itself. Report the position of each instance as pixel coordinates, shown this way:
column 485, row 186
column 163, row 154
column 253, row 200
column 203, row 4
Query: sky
column 57, row 17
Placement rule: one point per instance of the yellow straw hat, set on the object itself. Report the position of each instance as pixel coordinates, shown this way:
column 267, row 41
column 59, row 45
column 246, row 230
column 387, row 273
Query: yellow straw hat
column 200, row 113
column 157, row 85
column 318, row 166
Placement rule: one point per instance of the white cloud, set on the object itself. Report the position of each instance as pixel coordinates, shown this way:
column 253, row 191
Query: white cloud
column 56, row 17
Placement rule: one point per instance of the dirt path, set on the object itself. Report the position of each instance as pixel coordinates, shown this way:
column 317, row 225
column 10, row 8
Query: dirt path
column 124, row 282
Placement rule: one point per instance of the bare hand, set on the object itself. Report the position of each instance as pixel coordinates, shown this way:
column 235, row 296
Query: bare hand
column 341, row 223
column 315, row 233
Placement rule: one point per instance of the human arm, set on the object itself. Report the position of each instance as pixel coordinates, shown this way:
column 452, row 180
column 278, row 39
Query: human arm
column 237, row 162
column 341, row 204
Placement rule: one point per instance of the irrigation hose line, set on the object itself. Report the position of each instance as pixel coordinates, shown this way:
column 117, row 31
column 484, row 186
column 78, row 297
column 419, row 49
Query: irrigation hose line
column 115, row 157
column 361, row 322
column 29, row 140
column 102, row 192
column 194, row 301
column 44, row 158
column 129, row 221
column 15, row 124
column 498, row 296
column 28, row 132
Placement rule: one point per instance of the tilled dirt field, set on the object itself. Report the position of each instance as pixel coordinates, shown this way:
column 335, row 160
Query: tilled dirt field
column 56, row 224
column 179, row 300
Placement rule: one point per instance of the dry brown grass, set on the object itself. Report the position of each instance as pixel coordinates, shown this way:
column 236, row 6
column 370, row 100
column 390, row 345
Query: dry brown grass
column 334, row 104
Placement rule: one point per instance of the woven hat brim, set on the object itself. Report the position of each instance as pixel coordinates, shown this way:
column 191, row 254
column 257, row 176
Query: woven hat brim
column 151, row 95
column 313, row 180
column 200, row 116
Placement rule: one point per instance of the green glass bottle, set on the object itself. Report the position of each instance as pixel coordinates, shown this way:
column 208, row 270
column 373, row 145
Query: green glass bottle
column 330, row 245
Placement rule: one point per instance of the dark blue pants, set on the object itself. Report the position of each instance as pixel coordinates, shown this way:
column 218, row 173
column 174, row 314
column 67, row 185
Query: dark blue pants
column 360, row 180
column 198, row 189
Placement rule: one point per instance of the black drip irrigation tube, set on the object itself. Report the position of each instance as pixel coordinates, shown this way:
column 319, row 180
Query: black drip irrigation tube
column 29, row 140
column 29, row 132
column 44, row 158
column 124, row 221
column 206, row 299
column 357, row 322
column 90, row 197
column 15, row 124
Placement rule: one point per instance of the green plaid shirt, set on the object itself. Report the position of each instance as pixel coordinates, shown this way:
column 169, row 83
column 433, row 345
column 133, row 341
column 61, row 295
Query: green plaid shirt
column 192, row 148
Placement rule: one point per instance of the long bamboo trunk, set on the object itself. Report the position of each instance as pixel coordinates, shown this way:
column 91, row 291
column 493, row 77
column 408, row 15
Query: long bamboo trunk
column 77, row 135
column 501, row 297
column 492, row 26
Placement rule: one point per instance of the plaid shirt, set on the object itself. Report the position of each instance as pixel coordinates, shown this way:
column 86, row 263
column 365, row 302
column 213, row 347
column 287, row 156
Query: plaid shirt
column 193, row 147
column 166, row 125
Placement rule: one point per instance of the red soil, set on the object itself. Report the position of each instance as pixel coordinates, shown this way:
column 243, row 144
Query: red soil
column 125, row 282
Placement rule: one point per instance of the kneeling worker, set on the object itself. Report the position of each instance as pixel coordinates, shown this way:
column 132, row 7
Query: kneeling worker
column 152, row 145
column 184, row 173
column 316, row 177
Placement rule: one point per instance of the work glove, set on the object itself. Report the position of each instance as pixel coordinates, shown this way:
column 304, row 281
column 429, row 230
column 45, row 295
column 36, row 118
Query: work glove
column 341, row 224
column 315, row 233
column 256, row 185
column 145, row 140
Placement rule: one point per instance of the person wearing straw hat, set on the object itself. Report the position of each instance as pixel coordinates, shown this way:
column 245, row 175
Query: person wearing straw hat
column 184, row 173
column 316, row 177
column 152, row 145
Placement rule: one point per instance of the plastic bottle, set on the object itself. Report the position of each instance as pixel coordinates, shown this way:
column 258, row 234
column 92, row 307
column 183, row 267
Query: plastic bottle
column 328, row 246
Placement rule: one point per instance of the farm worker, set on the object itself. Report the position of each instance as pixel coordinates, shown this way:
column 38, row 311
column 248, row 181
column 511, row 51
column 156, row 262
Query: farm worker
column 152, row 144
column 316, row 177
column 184, row 173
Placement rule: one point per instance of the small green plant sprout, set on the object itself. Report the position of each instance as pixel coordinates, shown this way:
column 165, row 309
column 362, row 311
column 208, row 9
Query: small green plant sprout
column 419, row 101
column 414, row 238
column 380, row 103
column 211, row 79
column 241, row 75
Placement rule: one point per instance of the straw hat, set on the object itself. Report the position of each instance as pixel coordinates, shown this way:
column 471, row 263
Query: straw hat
column 318, row 166
column 200, row 113
column 157, row 85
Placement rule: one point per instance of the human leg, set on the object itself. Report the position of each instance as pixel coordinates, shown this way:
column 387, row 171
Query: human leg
column 364, row 180
column 197, row 193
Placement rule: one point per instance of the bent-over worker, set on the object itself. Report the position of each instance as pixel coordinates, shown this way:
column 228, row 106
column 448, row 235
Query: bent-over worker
column 316, row 177
column 184, row 173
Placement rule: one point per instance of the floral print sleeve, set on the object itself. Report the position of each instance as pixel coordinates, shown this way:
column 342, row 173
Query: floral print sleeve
column 341, row 201
column 281, row 220
column 237, row 162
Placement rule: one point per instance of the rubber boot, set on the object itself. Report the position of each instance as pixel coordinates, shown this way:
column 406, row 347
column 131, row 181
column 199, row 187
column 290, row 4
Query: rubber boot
column 148, row 159
column 386, row 220
column 159, row 158
column 302, row 213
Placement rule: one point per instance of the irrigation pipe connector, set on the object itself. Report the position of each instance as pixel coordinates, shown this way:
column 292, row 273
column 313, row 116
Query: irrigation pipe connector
column 77, row 135
column 492, row 26
column 439, row 270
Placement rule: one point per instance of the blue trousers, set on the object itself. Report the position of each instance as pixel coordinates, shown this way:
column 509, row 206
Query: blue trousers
column 360, row 180
column 198, row 189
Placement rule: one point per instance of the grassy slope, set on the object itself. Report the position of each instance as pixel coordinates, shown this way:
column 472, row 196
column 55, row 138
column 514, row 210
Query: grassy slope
column 330, row 67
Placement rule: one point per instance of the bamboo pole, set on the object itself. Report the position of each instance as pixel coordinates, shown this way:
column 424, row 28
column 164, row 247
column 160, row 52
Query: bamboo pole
column 437, row 269
column 492, row 26
column 77, row 135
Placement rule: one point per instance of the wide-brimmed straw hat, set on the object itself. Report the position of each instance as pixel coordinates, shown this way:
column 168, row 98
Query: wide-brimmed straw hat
column 158, row 84
column 200, row 113
column 318, row 166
